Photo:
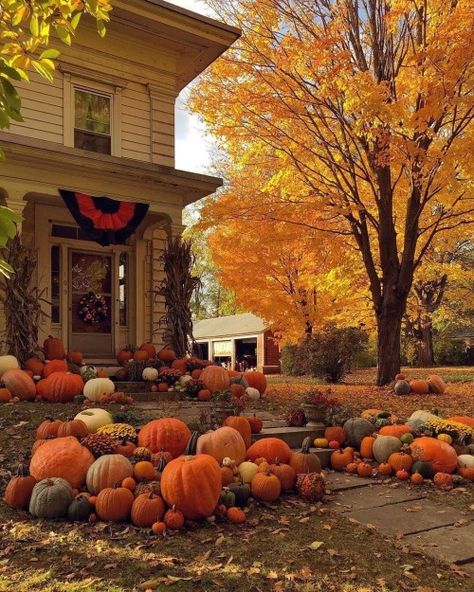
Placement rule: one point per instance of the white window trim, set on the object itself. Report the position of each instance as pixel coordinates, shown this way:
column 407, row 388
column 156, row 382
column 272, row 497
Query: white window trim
column 115, row 94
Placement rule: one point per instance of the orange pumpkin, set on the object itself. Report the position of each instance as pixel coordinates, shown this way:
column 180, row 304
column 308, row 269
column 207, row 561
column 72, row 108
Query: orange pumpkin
column 62, row 457
column 158, row 528
column 221, row 443
column 215, row 378
column 124, row 356
column 265, row 487
column 420, row 387
column 168, row 433
column 241, row 424
column 60, row 387
column 129, row 483
column 237, row 390
column 270, row 449
column 399, row 461
column 166, row 355
column 417, row 479
column 204, row 395
column 395, row 430
column 352, row 467
column 227, row 476
column 400, row 377
column 144, row 471
column 236, row 515
column 150, row 349
column 48, row 429
column 341, row 458
column 436, row 384
column 364, row 469
column 114, row 504
column 75, row 357
column 35, row 365
column 196, row 373
column 147, row 508
column 402, row 475
column 366, row 447
column 286, row 474
column 174, row 519
column 19, row 489
column 384, row 469
column 441, row 455
column 256, row 424
column 107, row 471
column 141, row 355
column 469, row 421
column 54, row 366
column 125, row 448
column 180, row 364
column 256, row 380
column 192, row 484
column 305, row 461
column 466, row 473
column 53, row 348
column 335, row 433
column 19, row 383
column 5, row 395
column 75, row 427
column 443, row 480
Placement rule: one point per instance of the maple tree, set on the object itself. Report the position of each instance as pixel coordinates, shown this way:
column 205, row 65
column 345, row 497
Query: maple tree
column 366, row 111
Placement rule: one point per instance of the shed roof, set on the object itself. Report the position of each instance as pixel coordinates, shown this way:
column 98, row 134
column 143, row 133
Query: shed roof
column 229, row 326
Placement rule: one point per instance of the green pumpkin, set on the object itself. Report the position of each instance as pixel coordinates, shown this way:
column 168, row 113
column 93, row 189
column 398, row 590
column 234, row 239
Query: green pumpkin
column 407, row 438
column 381, row 421
column 423, row 467
column 241, row 492
column 384, row 446
column 50, row 498
column 80, row 509
column 402, row 387
column 227, row 498
column 356, row 429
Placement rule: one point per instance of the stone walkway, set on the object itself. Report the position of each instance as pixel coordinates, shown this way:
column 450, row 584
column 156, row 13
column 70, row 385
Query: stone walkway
column 443, row 532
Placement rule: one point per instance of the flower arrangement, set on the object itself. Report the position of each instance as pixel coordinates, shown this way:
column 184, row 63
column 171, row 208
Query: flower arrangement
column 226, row 399
column 170, row 375
column 196, row 364
column 193, row 387
column 92, row 309
column 321, row 399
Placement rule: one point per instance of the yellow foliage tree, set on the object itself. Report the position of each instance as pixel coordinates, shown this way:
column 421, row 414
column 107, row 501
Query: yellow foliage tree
column 365, row 110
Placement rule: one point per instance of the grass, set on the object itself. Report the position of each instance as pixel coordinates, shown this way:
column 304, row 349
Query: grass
column 271, row 552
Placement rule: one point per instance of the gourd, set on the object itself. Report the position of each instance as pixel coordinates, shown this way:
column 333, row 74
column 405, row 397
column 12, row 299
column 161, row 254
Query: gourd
column 96, row 387
column 221, row 443
column 19, row 489
column 150, row 374
column 270, row 449
column 215, row 378
column 168, row 434
column 256, row 380
column 62, row 457
column 192, row 484
column 247, row 470
column 402, row 387
column 356, row 429
column 8, row 363
column 95, row 418
column 106, row 471
column 19, row 383
column 384, row 446
column 80, row 509
column 241, row 424
column 50, row 498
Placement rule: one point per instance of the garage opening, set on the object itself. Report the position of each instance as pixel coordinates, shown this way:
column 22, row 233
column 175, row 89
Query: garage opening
column 246, row 354
column 201, row 350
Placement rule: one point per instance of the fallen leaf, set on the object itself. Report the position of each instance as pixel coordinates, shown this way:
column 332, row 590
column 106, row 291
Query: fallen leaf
column 272, row 575
column 315, row 545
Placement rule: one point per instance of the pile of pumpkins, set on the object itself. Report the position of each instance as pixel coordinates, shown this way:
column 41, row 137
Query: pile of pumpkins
column 90, row 469
column 424, row 448
column 57, row 377
column 434, row 385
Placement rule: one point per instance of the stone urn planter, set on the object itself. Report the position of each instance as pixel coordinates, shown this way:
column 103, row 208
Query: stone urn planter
column 314, row 414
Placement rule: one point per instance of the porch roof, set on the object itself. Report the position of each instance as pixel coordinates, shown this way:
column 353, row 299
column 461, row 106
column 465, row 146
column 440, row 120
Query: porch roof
column 229, row 326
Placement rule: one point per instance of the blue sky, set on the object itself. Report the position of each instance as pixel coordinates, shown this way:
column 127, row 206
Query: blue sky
column 193, row 143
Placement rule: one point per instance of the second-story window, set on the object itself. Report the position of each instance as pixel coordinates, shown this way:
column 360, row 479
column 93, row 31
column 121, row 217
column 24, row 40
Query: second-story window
column 92, row 121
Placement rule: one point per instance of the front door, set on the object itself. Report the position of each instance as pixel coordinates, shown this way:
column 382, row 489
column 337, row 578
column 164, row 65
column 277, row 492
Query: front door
column 91, row 303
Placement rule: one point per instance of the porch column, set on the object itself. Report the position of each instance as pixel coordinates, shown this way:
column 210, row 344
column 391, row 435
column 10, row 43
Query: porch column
column 15, row 201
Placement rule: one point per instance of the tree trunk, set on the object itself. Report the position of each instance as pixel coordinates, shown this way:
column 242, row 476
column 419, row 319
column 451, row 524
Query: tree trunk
column 425, row 355
column 389, row 324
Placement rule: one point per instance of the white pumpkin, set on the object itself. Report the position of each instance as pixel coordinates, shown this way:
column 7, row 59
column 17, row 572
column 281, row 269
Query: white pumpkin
column 247, row 471
column 95, row 418
column 96, row 387
column 185, row 379
column 88, row 369
column 466, row 461
column 150, row 374
column 252, row 393
column 422, row 415
column 8, row 363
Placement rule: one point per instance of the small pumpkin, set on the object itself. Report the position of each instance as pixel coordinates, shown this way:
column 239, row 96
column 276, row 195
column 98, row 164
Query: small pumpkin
column 80, row 509
column 167, row 433
column 20, row 384
column 227, row 497
column 106, row 471
column 215, row 378
column 19, row 489
column 124, row 356
column 443, row 480
column 436, row 384
column 147, row 508
column 417, row 479
column 367, row 446
column 364, row 469
column 241, row 492
column 356, row 429
column 35, row 365
column 242, row 425
column 341, row 458
column 247, row 470
column 158, row 528
column 384, row 469
column 402, row 474
column 75, row 427
column 236, row 515
column 425, row 469
column 286, row 474
column 8, row 363
column 48, row 429
column 420, row 387
column 173, row 518
column 305, row 461
column 50, row 498
column 204, row 395
column 399, row 461
column 227, row 476
column 320, row 443
column 266, row 487
column 256, row 380
column 144, row 471
column 96, row 387
column 221, row 443
column 445, row 438
column 53, row 348
column 54, row 366
column 95, row 418
column 402, row 387
column 150, row 374
column 384, row 446
column 150, row 349
column 114, row 503
column 396, row 431
column 335, row 433
column 129, row 483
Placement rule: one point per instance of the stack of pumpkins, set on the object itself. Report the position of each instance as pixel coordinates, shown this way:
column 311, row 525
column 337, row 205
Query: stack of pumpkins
column 178, row 374
column 92, row 469
column 423, row 448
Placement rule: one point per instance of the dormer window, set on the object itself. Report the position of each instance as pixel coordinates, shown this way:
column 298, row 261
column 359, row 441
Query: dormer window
column 92, row 121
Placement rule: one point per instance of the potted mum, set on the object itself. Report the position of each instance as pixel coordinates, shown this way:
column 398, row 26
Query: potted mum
column 225, row 404
column 316, row 405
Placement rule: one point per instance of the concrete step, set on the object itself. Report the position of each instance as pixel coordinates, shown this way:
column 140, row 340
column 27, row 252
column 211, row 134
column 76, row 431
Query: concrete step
column 149, row 396
column 128, row 386
column 292, row 436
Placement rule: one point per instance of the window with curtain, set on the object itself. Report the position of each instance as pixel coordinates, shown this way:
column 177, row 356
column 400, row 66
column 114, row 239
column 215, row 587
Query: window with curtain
column 222, row 348
column 92, row 121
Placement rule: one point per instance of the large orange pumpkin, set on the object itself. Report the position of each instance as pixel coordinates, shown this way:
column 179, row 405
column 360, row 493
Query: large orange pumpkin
column 215, row 378
column 256, row 380
column 396, row 431
column 221, row 443
column 60, row 387
column 168, row 434
column 62, row 457
column 54, row 366
column 53, row 348
column 441, row 455
column 419, row 387
column 20, row 384
column 242, row 425
column 270, row 449
column 192, row 484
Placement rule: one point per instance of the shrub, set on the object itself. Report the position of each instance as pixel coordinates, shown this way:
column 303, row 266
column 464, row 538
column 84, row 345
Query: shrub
column 288, row 360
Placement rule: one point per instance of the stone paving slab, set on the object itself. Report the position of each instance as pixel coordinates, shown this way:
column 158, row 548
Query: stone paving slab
column 342, row 481
column 373, row 496
column 407, row 517
column 450, row 544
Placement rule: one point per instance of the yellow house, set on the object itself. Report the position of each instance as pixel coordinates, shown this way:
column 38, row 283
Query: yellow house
column 105, row 128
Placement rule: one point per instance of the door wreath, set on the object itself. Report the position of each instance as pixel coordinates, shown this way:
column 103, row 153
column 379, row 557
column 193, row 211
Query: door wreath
column 92, row 309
